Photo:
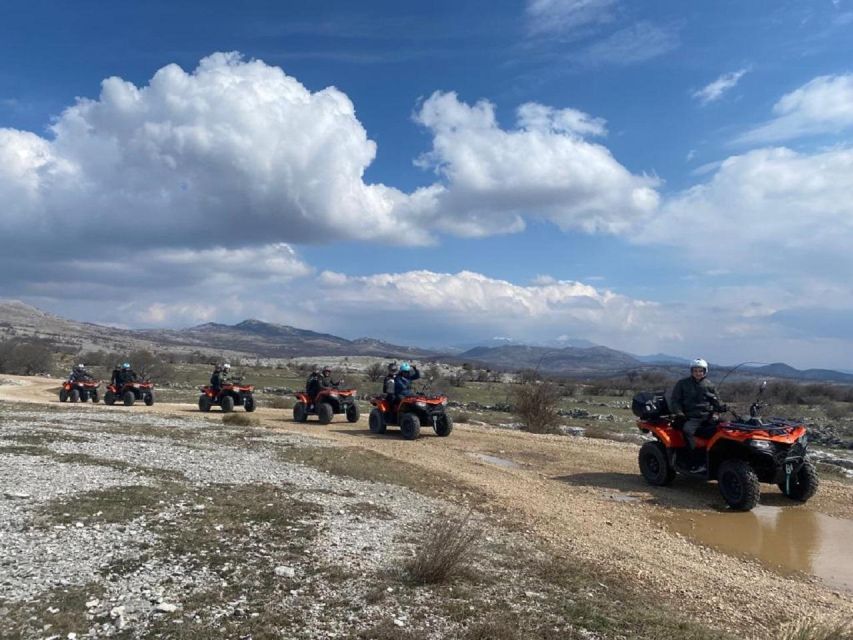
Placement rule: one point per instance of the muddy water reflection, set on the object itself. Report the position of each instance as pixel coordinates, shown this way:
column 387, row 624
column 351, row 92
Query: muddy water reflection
column 785, row 539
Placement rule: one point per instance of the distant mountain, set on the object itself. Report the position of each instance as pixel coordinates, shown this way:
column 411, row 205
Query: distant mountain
column 567, row 361
column 250, row 337
column 662, row 358
column 256, row 338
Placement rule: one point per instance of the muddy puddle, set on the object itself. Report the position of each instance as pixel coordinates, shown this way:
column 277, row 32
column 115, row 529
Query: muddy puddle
column 495, row 460
column 785, row 539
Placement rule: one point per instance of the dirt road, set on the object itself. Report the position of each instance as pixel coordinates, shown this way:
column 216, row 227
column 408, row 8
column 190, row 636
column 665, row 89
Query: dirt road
column 585, row 498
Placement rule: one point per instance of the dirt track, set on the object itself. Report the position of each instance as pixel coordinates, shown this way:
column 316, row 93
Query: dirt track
column 586, row 498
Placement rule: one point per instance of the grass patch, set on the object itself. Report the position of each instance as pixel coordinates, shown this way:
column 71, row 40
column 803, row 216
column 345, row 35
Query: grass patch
column 55, row 613
column 375, row 467
column 43, row 437
column 279, row 402
column 448, row 542
column 118, row 504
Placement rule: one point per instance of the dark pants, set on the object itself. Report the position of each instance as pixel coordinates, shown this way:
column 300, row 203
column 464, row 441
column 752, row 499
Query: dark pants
column 690, row 428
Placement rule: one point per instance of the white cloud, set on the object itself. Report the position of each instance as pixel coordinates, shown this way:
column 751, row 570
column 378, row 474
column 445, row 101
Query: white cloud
column 567, row 16
column 239, row 154
column 716, row 89
column 634, row 44
column 494, row 177
column 773, row 211
column 823, row 105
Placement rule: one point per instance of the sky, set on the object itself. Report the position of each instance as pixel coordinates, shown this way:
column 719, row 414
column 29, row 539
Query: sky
column 657, row 177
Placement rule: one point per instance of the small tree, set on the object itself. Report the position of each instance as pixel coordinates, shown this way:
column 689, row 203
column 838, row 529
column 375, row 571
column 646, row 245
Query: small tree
column 536, row 406
column 375, row 371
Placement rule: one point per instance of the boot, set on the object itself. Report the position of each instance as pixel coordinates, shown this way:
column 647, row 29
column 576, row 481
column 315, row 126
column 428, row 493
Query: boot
column 697, row 461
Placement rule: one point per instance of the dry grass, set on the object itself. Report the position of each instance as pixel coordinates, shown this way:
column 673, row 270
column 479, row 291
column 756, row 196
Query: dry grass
column 449, row 541
column 279, row 402
column 813, row 630
column 240, row 420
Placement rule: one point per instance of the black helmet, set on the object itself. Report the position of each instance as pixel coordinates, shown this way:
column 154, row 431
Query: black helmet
column 327, row 371
column 393, row 368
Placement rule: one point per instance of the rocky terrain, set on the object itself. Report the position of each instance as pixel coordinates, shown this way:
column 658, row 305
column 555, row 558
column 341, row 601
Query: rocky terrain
column 160, row 522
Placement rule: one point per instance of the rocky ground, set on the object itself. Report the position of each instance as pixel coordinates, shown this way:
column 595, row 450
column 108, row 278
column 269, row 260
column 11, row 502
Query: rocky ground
column 162, row 523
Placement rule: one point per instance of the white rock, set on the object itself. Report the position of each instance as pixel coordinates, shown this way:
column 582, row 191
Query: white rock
column 399, row 622
column 16, row 494
column 166, row 607
column 285, row 572
column 93, row 603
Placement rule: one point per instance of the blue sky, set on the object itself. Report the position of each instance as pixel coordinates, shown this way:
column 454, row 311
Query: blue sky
column 655, row 177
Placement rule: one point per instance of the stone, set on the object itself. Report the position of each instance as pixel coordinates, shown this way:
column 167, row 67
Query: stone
column 285, row 572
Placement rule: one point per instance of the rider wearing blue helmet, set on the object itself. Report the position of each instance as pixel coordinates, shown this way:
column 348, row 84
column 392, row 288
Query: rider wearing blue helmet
column 122, row 375
column 402, row 383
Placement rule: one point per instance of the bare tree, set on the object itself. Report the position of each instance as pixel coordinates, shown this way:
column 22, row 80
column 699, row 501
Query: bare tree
column 375, row 371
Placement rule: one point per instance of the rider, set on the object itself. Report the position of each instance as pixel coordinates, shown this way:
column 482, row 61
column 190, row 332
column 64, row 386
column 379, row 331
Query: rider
column 402, row 383
column 389, row 381
column 325, row 381
column 79, row 374
column 219, row 376
column 696, row 399
column 122, row 375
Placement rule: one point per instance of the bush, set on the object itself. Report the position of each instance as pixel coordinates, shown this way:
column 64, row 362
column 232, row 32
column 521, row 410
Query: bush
column 536, row 406
column 461, row 417
column 279, row 402
column 240, row 420
column 837, row 410
column 26, row 358
column 447, row 547
column 375, row 372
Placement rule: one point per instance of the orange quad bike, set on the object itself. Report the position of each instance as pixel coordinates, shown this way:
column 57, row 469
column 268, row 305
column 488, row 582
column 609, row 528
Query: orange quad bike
column 739, row 453
column 231, row 394
column 79, row 391
column 410, row 413
column 130, row 392
column 326, row 404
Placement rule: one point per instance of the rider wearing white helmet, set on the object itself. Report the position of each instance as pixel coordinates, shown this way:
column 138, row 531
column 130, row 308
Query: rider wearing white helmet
column 696, row 399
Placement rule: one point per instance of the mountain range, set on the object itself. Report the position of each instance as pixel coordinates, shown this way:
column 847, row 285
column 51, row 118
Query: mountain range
column 256, row 338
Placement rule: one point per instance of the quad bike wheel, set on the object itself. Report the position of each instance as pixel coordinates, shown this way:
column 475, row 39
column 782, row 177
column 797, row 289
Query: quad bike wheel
column 109, row 398
column 802, row 484
column 204, row 403
column 128, row 398
column 376, row 422
column 443, row 425
column 738, row 485
column 149, row 399
column 75, row 395
column 63, row 395
column 227, row 404
column 249, row 403
column 654, row 464
column 410, row 426
column 325, row 412
column 353, row 413
column 300, row 412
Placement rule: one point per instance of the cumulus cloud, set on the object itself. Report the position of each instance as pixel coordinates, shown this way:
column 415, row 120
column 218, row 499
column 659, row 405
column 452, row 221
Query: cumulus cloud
column 823, row 105
column 774, row 212
column 722, row 85
column 237, row 153
column 493, row 177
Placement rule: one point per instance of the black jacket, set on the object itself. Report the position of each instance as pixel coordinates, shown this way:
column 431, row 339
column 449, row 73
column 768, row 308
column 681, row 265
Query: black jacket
column 694, row 399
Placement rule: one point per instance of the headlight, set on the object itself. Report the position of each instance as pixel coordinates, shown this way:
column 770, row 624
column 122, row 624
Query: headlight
column 762, row 445
column 444, row 402
column 421, row 405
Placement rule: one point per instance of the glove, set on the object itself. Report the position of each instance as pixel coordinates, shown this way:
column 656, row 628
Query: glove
column 722, row 408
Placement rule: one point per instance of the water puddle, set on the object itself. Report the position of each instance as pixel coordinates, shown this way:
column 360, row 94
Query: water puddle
column 785, row 539
column 495, row 460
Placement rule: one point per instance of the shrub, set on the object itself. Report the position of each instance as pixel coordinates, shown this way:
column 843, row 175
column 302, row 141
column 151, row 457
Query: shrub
column 447, row 547
column 240, row 420
column 536, row 406
column 375, row 372
column 837, row 410
column 26, row 358
column 461, row 417
column 279, row 402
